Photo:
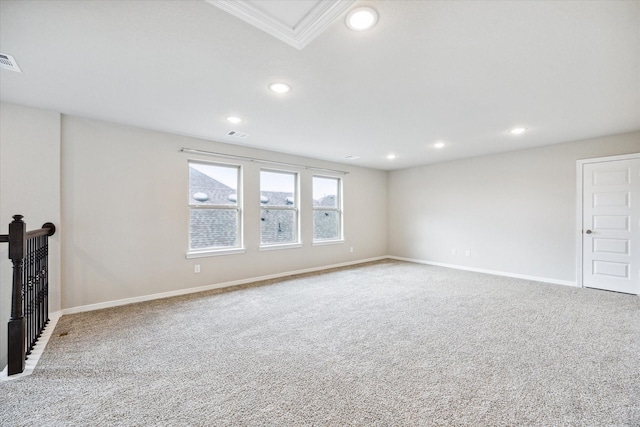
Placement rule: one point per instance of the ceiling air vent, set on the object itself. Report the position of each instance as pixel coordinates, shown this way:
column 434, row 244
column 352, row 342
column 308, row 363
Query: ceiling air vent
column 237, row 134
column 8, row 63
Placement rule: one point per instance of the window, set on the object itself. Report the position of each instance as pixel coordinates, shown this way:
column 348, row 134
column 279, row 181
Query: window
column 278, row 207
column 214, row 207
column 327, row 209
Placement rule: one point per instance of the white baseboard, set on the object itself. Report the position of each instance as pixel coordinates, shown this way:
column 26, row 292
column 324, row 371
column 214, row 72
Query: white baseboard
column 143, row 298
column 494, row 272
column 37, row 350
column 46, row 334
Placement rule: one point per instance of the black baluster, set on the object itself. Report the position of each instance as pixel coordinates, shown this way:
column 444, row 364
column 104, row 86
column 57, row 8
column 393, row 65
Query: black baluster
column 27, row 296
column 30, row 292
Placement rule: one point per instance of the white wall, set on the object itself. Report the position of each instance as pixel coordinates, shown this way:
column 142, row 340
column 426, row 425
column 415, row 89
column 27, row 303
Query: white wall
column 515, row 212
column 29, row 186
column 125, row 217
column 121, row 192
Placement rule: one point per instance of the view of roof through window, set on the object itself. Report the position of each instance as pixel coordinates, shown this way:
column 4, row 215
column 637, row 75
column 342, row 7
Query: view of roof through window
column 226, row 175
column 323, row 187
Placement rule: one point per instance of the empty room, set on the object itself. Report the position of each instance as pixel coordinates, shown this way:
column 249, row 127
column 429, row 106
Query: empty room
column 319, row 213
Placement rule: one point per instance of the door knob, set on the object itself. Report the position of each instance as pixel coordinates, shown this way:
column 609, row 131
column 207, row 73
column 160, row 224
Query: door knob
column 588, row 231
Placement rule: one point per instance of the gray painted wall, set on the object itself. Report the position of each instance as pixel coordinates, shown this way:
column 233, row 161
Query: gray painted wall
column 122, row 192
column 124, row 202
column 123, row 229
column 515, row 212
column 30, row 186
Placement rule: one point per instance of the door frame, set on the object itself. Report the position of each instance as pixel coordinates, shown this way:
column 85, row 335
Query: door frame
column 579, row 204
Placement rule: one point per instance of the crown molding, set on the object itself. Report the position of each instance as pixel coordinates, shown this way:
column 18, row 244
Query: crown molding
column 308, row 28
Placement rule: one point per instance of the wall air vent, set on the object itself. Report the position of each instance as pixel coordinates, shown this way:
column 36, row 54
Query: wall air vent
column 237, row 134
column 8, row 63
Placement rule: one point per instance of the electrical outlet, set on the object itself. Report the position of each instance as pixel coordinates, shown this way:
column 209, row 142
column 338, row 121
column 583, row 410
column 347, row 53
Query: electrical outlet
column 454, row 251
column 197, row 268
column 467, row 253
column 351, row 249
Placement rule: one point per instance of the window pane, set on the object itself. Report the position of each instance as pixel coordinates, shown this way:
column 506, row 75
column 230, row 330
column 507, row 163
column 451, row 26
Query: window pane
column 326, row 225
column 212, row 228
column 213, row 184
column 277, row 188
column 278, row 226
column 325, row 191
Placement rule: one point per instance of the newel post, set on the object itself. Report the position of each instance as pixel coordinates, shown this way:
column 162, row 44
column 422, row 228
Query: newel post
column 17, row 337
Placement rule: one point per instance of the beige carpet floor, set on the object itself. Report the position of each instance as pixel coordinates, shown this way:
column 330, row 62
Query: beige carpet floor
column 382, row 344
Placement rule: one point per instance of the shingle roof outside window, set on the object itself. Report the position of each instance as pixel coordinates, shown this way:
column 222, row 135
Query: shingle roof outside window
column 217, row 227
column 210, row 228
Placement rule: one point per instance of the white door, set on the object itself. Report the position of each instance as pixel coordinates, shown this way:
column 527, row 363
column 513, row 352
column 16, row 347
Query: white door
column 611, row 225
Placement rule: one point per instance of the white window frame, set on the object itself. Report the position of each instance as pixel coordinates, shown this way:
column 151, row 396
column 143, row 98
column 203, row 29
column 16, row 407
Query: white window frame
column 218, row 250
column 295, row 208
column 338, row 209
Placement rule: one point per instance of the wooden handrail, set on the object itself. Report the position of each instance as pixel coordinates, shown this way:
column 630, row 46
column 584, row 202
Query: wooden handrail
column 47, row 229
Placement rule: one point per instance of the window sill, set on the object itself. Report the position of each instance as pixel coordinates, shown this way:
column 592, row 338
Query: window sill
column 214, row 252
column 277, row 247
column 327, row 242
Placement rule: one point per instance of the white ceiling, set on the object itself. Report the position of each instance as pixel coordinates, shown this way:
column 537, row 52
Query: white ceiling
column 464, row 72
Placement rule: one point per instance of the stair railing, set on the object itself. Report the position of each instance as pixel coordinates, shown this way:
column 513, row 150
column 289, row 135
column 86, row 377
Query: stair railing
column 28, row 251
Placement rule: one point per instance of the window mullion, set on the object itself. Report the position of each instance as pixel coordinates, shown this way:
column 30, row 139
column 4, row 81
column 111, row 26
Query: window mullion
column 214, row 207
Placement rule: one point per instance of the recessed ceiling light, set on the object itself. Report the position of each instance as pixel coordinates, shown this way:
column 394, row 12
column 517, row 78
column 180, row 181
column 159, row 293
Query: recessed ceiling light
column 362, row 18
column 279, row 87
column 518, row 131
column 234, row 120
column 391, row 156
column 439, row 144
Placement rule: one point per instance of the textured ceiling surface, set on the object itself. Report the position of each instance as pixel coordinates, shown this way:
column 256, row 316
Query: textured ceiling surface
column 462, row 72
